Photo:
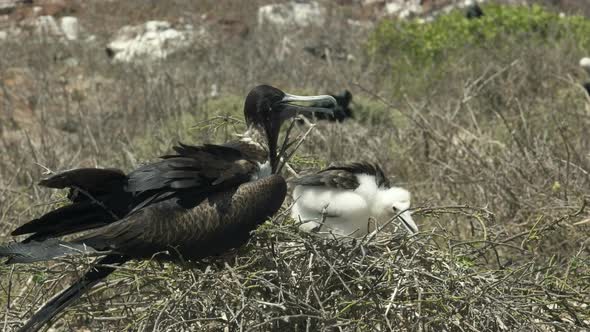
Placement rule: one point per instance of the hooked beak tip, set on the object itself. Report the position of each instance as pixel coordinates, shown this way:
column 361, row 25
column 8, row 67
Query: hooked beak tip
column 408, row 223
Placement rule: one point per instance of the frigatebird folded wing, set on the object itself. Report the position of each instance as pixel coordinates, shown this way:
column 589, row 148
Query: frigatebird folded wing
column 102, row 196
column 343, row 176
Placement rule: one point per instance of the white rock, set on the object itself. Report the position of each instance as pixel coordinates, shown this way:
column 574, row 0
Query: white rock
column 156, row 26
column 7, row 6
column 71, row 62
column 292, row 14
column 370, row 2
column 361, row 25
column 401, row 8
column 151, row 40
column 410, row 9
column 46, row 25
column 393, row 8
column 70, row 27
column 214, row 91
column 3, row 35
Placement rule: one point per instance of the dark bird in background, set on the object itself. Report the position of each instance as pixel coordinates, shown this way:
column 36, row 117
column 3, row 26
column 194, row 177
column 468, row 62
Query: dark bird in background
column 323, row 51
column 473, row 11
column 585, row 64
column 339, row 201
column 341, row 110
column 197, row 202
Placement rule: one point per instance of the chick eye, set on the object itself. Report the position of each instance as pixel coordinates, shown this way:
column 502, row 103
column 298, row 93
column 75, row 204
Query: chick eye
column 395, row 209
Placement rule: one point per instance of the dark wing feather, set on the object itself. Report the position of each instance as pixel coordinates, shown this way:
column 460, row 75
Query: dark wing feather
column 194, row 166
column 343, row 176
column 329, row 178
column 363, row 168
column 85, row 183
column 213, row 149
column 103, row 196
column 90, row 179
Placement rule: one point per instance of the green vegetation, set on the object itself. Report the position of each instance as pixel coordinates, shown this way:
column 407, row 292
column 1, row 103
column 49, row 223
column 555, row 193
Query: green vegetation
column 426, row 43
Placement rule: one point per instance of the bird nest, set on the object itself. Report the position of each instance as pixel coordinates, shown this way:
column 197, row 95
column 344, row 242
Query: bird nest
column 288, row 279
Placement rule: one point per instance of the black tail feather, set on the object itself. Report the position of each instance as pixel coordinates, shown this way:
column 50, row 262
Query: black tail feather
column 59, row 302
column 34, row 251
column 67, row 217
column 98, row 198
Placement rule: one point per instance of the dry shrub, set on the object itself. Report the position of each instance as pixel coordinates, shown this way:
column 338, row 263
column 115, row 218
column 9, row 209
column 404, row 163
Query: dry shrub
column 286, row 279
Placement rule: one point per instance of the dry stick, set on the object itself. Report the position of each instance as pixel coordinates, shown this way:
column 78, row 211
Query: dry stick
column 94, row 200
column 291, row 170
column 284, row 318
column 567, row 164
column 90, row 134
column 378, row 229
column 297, row 146
column 544, row 228
column 583, row 222
column 393, row 295
column 498, row 73
column 419, row 309
column 309, row 123
column 31, row 146
column 9, row 291
column 285, row 146
column 12, row 179
column 390, row 105
column 579, row 168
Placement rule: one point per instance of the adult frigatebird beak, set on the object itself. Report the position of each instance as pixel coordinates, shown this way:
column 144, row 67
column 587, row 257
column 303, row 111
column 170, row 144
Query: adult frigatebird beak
column 289, row 109
column 286, row 108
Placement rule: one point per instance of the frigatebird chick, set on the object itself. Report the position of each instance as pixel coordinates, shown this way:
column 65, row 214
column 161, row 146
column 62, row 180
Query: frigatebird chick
column 341, row 110
column 198, row 202
column 473, row 11
column 340, row 201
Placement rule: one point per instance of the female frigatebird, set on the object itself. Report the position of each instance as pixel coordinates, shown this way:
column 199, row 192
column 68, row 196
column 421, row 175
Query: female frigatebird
column 199, row 201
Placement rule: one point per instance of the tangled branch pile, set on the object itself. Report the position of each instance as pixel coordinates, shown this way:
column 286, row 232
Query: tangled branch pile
column 287, row 279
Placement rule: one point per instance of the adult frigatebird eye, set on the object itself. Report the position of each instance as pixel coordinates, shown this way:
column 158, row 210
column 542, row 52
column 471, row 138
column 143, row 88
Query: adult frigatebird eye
column 288, row 109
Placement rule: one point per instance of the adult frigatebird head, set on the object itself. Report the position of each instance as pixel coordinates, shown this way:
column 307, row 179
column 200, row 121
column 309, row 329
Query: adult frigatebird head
column 268, row 107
